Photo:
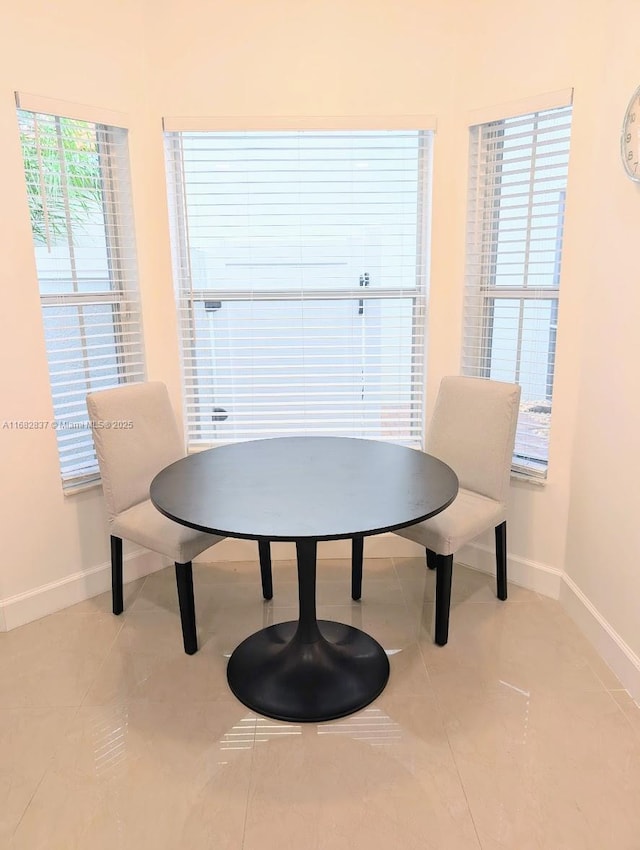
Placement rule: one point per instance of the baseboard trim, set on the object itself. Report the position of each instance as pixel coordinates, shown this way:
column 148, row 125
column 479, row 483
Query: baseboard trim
column 48, row 598
column 386, row 545
column 534, row 576
column 530, row 574
column 608, row 643
column 55, row 596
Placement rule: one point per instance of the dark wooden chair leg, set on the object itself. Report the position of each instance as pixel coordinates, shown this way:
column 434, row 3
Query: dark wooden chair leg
column 432, row 559
column 116, row 575
column 264, row 548
column 357, row 552
column 444, row 570
column 501, row 559
column 184, row 581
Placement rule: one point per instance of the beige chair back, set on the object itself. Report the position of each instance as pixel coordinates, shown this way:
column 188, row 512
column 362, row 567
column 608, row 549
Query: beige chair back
column 136, row 435
column 473, row 430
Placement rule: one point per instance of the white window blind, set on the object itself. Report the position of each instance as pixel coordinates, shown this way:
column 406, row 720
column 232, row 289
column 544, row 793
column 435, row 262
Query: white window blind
column 77, row 179
column 518, row 179
column 300, row 265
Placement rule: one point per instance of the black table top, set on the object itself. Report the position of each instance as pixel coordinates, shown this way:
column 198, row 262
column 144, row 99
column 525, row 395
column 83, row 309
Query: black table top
column 295, row 488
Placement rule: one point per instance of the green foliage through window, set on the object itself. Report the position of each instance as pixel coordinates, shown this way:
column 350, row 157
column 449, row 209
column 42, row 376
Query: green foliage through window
column 64, row 154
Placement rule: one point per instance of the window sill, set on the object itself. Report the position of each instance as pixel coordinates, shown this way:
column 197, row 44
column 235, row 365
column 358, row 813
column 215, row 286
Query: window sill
column 97, row 483
column 536, row 480
column 73, row 490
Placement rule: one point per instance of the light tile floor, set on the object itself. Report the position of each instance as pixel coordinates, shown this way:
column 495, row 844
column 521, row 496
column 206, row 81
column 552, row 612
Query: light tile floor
column 516, row 735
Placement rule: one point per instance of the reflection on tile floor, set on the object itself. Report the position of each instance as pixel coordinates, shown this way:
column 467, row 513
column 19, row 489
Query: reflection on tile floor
column 515, row 735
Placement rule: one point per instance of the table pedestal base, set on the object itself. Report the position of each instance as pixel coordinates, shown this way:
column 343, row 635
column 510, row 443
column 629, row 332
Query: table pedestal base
column 276, row 673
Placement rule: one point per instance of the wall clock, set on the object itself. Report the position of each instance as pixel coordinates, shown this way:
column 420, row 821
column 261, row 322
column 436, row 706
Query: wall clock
column 630, row 138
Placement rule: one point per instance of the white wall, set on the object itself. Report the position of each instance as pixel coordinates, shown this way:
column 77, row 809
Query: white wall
column 584, row 520
column 305, row 57
column 71, row 51
column 603, row 535
column 149, row 61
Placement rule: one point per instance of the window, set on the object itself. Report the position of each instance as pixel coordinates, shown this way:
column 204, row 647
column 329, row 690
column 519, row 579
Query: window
column 300, row 263
column 78, row 191
column 518, row 179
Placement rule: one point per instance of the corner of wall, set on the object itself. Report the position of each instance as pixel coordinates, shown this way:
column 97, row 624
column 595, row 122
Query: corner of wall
column 616, row 653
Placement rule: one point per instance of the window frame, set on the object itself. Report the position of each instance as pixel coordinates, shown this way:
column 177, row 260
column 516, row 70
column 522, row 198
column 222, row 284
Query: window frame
column 122, row 296
column 482, row 290
column 174, row 130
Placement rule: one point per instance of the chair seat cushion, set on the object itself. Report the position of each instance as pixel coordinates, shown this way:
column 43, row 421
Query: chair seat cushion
column 467, row 517
column 145, row 525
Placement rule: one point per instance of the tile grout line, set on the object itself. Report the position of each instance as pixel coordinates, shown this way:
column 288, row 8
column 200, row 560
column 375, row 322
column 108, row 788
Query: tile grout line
column 609, row 692
column 110, row 648
column 45, row 773
column 249, row 783
column 453, row 755
column 77, row 708
column 441, row 718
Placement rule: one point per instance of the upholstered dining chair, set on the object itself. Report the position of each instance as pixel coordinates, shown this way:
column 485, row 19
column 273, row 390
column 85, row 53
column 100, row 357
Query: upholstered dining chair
column 472, row 430
column 129, row 458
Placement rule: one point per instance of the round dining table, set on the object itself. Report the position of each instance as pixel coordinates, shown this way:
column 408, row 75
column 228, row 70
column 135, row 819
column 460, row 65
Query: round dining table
column 305, row 490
